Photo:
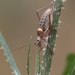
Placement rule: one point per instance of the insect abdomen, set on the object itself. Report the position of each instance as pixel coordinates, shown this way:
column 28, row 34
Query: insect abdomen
column 44, row 21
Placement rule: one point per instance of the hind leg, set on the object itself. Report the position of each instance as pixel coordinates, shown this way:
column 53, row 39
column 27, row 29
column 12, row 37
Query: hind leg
column 42, row 9
column 46, row 41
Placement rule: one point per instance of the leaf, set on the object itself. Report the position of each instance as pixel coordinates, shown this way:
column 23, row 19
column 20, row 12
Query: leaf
column 37, row 66
column 9, row 55
column 28, row 58
column 70, row 65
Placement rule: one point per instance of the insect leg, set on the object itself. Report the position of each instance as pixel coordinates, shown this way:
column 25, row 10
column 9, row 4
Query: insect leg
column 57, row 9
column 38, row 15
column 43, row 8
column 48, row 30
column 49, row 21
column 50, row 26
column 50, row 48
column 48, row 45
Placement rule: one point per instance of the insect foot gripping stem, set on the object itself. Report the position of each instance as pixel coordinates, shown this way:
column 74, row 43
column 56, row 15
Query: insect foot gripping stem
column 46, row 40
column 47, row 44
column 50, row 49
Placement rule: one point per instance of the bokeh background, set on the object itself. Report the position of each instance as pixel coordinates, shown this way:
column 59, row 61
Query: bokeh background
column 18, row 21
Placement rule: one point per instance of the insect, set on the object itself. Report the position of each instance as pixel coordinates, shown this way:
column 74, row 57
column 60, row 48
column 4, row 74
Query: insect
column 45, row 26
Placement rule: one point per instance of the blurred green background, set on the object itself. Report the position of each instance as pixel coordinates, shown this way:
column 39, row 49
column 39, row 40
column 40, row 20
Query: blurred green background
column 18, row 21
column 70, row 65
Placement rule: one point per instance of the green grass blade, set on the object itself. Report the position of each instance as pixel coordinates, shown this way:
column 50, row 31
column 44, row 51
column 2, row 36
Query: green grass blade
column 28, row 58
column 37, row 66
column 47, row 57
column 56, row 15
column 46, row 63
column 9, row 55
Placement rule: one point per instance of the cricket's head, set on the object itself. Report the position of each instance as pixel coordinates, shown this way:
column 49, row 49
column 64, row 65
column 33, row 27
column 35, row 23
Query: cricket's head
column 38, row 42
column 40, row 32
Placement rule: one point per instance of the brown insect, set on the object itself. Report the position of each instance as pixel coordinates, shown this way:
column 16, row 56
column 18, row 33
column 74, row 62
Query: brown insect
column 45, row 26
